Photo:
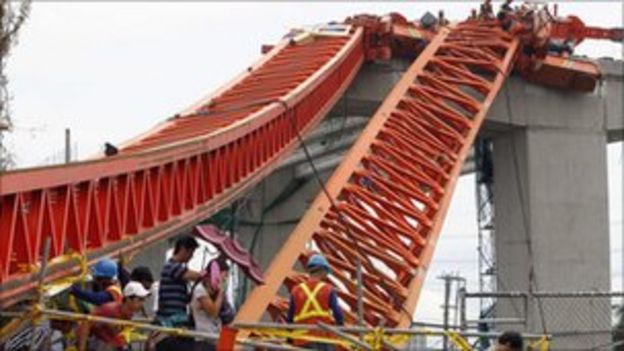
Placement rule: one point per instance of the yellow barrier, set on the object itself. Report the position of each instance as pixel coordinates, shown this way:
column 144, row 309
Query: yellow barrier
column 542, row 344
column 459, row 341
column 64, row 282
column 301, row 335
column 376, row 339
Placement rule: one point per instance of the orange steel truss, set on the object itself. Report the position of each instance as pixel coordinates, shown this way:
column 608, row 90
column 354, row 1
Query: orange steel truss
column 179, row 173
column 390, row 194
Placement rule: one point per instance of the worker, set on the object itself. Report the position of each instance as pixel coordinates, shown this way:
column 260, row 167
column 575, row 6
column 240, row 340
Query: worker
column 173, row 293
column 473, row 14
column 486, row 11
column 509, row 341
column 506, row 6
column 504, row 15
column 442, row 21
column 95, row 336
column 208, row 299
column 315, row 300
column 139, row 274
column 105, row 286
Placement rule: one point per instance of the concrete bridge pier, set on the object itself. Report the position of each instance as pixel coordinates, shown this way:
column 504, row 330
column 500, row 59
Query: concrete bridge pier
column 551, row 222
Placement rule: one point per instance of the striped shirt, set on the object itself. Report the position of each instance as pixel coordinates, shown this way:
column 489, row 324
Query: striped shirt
column 173, row 294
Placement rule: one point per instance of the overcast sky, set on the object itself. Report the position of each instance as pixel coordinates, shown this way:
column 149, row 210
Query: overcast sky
column 110, row 70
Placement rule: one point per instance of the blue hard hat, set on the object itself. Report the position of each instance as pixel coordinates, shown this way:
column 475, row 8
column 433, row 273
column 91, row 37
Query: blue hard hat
column 105, row 268
column 318, row 261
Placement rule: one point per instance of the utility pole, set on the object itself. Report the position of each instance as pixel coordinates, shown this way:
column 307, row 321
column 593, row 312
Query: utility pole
column 446, row 307
column 67, row 145
column 453, row 283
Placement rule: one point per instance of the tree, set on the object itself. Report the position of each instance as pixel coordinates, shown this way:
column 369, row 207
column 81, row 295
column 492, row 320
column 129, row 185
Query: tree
column 13, row 14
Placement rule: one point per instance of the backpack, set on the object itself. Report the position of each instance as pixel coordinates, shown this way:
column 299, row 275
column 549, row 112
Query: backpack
column 226, row 313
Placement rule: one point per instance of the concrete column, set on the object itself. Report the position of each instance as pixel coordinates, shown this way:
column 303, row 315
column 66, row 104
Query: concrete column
column 550, row 195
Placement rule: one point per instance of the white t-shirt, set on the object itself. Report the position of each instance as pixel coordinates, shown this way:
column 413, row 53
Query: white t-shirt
column 203, row 322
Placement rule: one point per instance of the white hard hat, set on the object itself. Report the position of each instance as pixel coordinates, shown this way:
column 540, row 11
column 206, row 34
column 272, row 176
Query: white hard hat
column 135, row 289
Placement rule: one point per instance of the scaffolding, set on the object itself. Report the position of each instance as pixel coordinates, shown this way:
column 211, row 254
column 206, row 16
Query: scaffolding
column 485, row 223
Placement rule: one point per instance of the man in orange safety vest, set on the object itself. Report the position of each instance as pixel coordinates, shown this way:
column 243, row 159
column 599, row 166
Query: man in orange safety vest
column 315, row 300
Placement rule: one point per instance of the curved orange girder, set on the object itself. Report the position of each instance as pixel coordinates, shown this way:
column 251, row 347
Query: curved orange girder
column 179, row 173
column 390, row 194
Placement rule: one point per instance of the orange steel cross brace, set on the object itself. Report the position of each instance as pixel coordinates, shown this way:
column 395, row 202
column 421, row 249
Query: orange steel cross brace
column 394, row 187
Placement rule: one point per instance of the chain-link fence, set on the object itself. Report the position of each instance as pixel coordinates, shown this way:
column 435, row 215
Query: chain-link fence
column 575, row 320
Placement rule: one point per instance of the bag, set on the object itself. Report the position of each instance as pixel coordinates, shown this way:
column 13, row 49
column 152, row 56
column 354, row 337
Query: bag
column 226, row 312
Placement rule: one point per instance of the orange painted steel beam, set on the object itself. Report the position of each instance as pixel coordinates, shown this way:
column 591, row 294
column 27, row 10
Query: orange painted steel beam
column 393, row 189
column 568, row 73
column 177, row 174
column 574, row 29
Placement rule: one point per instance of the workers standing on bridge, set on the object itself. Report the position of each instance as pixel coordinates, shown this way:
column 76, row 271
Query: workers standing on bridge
column 442, row 21
column 105, row 337
column 105, row 286
column 315, row 300
column 506, row 7
column 486, row 11
column 173, row 292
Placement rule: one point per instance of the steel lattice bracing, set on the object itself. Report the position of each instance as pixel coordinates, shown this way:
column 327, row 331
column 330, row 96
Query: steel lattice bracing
column 392, row 190
column 178, row 174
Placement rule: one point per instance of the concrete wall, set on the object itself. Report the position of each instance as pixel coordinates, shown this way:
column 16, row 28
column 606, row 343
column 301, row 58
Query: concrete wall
column 550, row 195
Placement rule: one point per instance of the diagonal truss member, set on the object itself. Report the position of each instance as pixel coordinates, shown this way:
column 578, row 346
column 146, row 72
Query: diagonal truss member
column 393, row 189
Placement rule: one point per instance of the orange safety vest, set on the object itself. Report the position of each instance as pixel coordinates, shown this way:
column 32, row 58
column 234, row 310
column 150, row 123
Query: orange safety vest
column 311, row 300
column 115, row 291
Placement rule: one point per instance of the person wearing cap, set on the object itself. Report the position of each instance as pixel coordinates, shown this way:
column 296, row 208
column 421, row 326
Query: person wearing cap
column 315, row 300
column 95, row 336
column 105, row 286
column 139, row 274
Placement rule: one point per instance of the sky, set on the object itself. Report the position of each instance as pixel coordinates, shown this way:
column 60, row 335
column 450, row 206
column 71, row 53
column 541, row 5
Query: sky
column 110, row 70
